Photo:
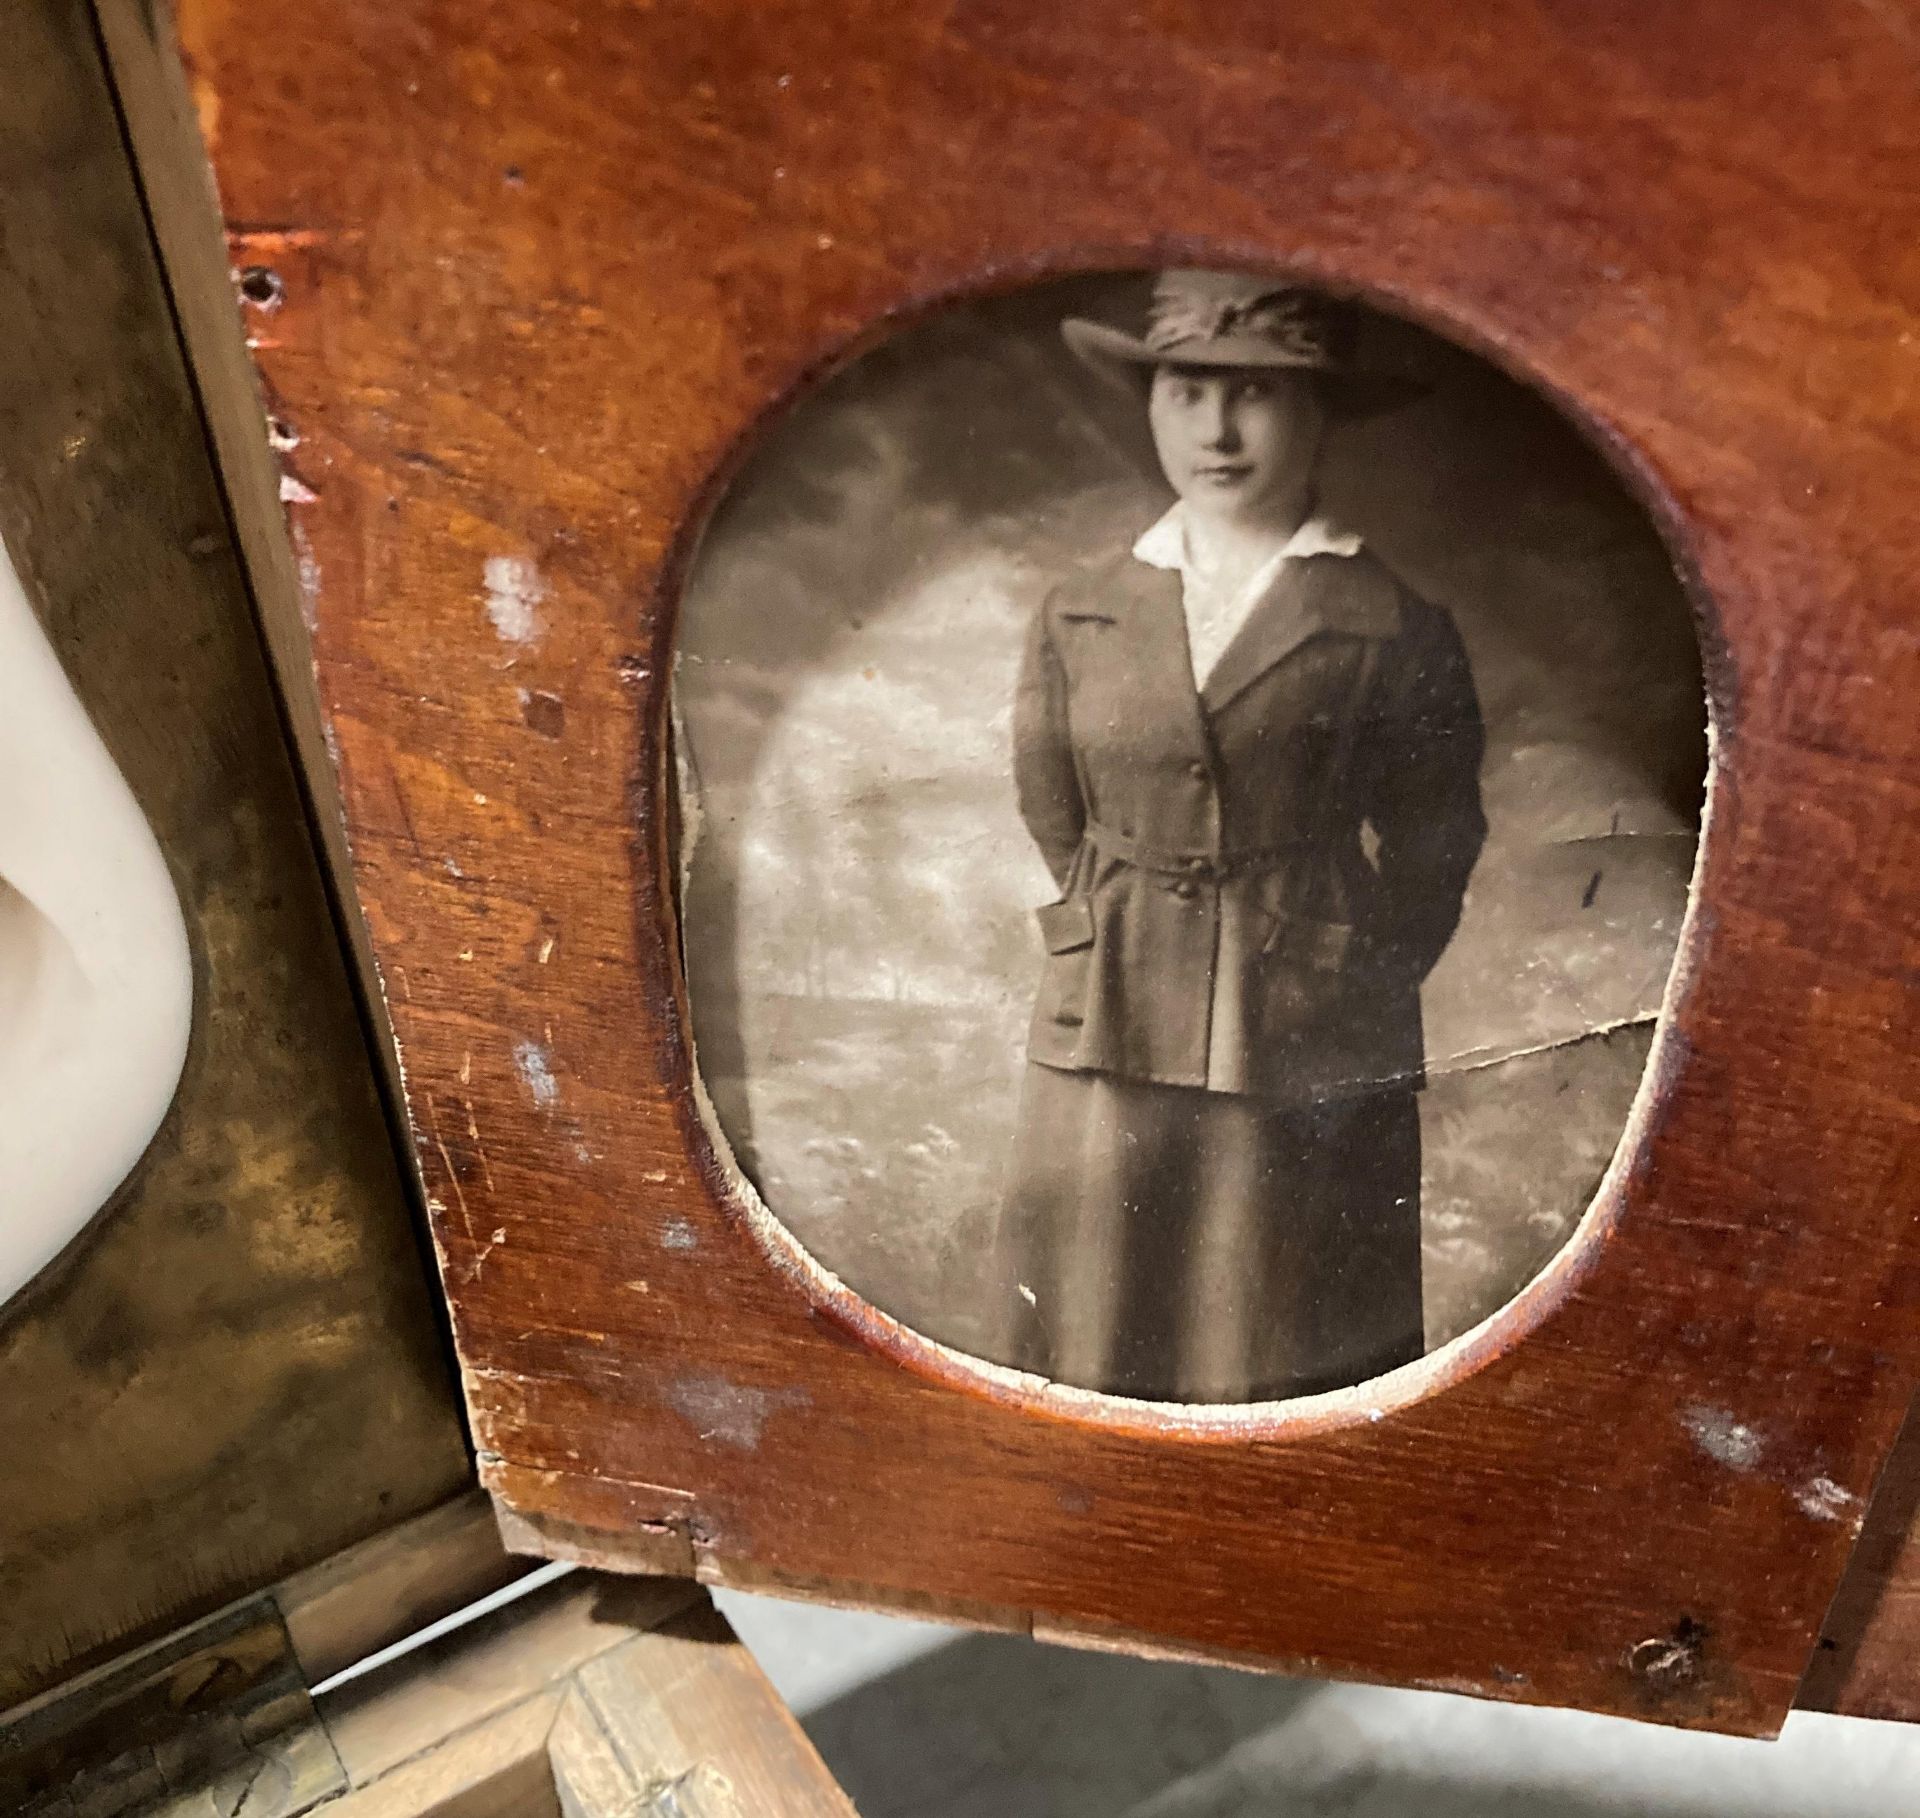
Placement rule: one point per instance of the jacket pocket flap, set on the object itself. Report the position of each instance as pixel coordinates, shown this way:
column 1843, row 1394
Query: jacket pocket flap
column 1323, row 945
column 1066, row 926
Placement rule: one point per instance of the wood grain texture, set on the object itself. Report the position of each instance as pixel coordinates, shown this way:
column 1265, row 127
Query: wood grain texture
column 686, row 1720
column 538, row 270
column 236, row 1371
column 497, row 1768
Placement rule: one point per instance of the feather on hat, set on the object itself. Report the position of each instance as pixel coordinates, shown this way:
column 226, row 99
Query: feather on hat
column 1239, row 320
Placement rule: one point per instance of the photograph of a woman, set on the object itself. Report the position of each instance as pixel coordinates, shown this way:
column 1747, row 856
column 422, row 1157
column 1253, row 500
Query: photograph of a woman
column 1191, row 784
column 1250, row 757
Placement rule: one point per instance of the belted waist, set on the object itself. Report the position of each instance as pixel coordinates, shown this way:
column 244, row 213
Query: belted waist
column 1175, row 861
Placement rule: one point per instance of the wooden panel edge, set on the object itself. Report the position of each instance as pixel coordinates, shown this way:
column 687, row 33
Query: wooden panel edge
column 1867, row 1663
column 164, row 144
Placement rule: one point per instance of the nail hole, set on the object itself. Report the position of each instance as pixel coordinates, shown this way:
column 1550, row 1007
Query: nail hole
column 261, row 286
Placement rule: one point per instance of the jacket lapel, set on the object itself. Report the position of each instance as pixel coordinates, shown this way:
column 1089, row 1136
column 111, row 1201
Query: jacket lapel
column 1345, row 594
column 1134, row 617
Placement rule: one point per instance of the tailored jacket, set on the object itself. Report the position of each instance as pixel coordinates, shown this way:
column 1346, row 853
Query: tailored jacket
column 1312, row 812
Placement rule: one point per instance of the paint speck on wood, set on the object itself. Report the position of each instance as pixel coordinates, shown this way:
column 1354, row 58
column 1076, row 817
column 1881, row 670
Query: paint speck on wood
column 534, row 1064
column 1721, row 1437
column 515, row 590
column 727, row 1412
column 1825, row 1500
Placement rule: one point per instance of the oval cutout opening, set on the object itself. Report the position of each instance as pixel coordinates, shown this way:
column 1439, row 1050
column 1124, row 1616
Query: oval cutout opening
column 1193, row 786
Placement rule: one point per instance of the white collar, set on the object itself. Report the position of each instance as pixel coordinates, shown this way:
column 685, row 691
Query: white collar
column 1163, row 544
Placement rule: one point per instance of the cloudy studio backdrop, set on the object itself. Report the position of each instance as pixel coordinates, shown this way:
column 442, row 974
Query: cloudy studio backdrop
column 859, row 891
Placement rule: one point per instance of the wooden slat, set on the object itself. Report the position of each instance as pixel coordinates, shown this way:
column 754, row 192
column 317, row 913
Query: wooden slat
column 360, row 1601
column 149, row 89
column 593, row 1698
column 384, row 1717
column 687, row 1712
column 498, row 1768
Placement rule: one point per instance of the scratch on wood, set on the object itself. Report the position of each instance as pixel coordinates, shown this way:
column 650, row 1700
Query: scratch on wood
column 479, row 1148
column 446, row 1161
column 242, row 237
column 493, row 1243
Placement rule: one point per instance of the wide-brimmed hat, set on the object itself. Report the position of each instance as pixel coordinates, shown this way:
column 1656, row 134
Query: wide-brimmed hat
column 1239, row 320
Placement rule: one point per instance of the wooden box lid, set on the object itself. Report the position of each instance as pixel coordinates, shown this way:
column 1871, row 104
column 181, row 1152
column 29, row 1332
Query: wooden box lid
column 522, row 286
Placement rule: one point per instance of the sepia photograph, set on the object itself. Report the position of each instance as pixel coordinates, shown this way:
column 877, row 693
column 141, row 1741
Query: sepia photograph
column 1191, row 788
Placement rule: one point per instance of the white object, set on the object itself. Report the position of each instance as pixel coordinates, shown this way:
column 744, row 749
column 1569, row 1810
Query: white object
column 96, row 979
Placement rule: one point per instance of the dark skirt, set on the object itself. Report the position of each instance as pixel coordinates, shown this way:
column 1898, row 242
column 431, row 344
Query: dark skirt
column 1183, row 1245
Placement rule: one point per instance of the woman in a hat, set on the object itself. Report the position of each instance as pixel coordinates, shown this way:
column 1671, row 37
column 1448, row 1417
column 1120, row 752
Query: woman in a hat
column 1250, row 756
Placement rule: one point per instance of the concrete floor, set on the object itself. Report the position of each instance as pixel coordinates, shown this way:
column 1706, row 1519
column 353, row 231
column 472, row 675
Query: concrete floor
column 925, row 1722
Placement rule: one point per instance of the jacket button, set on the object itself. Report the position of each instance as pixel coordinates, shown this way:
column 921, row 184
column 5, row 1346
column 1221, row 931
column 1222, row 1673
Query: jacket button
column 1198, row 771
column 1196, row 865
column 1185, row 889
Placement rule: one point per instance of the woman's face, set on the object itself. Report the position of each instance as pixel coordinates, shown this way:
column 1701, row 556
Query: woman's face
column 1235, row 444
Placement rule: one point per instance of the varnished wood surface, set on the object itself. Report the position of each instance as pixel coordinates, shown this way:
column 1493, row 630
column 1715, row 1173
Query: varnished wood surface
column 536, row 272
column 236, row 1371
